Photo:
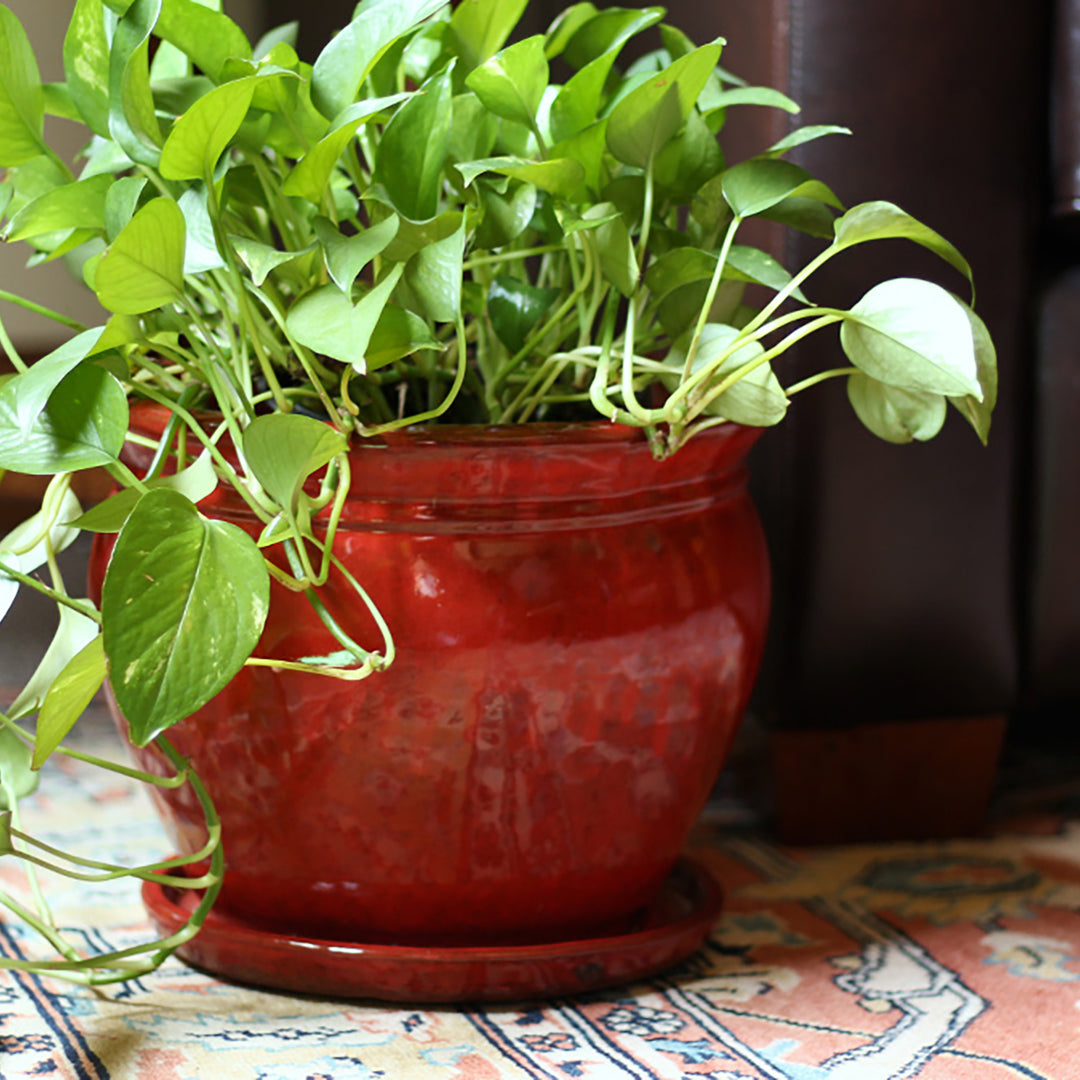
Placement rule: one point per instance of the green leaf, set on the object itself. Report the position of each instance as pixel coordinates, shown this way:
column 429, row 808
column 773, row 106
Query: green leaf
column 806, row 215
column 606, row 32
column 143, row 268
column 913, row 335
column 77, row 205
column 587, row 148
column 57, row 100
column 512, row 83
column 473, row 131
column 884, row 221
column 618, row 264
column 756, row 399
column 505, row 216
column 398, row 333
column 203, row 33
column 746, row 95
column 804, row 135
column 754, row 186
column 261, row 259
column 346, row 256
column 183, row 604
column 67, row 698
column 86, row 64
column 411, row 236
column 22, row 105
column 689, row 161
column 413, row 149
column 132, row 118
column 82, row 426
column 892, row 414
column 515, row 307
column 559, row 176
column 649, row 116
column 26, row 547
column 328, row 322
column 121, row 200
column 345, row 63
column 752, row 264
column 17, row 780
column 480, row 28
column 200, row 244
column 200, row 136
column 975, row 411
column 311, row 175
column 284, row 449
column 566, row 24
column 195, row 482
column 434, row 275
column 73, row 633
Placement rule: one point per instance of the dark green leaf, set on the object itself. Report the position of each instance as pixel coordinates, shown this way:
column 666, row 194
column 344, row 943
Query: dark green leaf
column 515, row 307
column 144, row 266
column 474, row 130
column 284, row 449
column 806, row 215
column 67, row 698
column 689, row 161
column 413, row 149
column 183, row 605
column 895, row 415
column 345, row 63
column 913, row 335
column 22, row 106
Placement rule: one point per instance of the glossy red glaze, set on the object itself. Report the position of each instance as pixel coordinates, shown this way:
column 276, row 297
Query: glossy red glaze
column 671, row 928
column 578, row 629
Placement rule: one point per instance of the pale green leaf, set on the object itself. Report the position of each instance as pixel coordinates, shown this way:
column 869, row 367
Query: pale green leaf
column 143, row 268
column 895, row 415
column 284, row 449
column 73, row 633
column 68, row 697
column 22, row 106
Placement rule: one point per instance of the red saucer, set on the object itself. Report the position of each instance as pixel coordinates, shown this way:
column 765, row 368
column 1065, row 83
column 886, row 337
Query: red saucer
column 672, row 928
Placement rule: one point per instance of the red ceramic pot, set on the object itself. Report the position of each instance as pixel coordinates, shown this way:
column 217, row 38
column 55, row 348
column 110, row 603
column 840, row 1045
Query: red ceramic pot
column 578, row 628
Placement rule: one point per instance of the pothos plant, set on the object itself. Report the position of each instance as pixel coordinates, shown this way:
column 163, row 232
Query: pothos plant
column 422, row 226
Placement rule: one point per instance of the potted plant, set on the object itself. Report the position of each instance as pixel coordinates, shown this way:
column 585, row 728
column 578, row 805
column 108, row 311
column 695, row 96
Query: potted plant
column 426, row 382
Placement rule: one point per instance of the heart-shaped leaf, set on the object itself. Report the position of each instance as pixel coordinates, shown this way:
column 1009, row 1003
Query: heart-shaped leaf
column 183, row 605
column 976, row 411
column 913, row 335
column 327, row 321
column 200, row 31
column 200, row 136
column 78, row 205
column 559, row 176
column 479, row 28
column 284, row 449
column 512, row 82
column 398, row 333
column 346, row 256
column 143, row 268
column 413, row 149
column 754, row 186
column 892, row 414
column 515, row 307
column 434, row 274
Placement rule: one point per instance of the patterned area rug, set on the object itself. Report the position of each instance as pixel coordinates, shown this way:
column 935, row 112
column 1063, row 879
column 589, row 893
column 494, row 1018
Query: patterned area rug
column 953, row 961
